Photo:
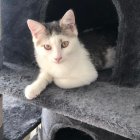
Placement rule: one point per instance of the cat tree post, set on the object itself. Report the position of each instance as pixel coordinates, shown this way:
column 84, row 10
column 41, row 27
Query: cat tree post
column 1, row 49
column 1, row 62
column 1, row 122
column 127, row 68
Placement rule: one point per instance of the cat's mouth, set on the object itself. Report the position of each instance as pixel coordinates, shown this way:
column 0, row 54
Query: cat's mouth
column 58, row 62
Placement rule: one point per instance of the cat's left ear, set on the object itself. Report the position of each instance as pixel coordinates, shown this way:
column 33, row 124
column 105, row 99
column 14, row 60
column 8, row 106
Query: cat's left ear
column 36, row 28
column 68, row 23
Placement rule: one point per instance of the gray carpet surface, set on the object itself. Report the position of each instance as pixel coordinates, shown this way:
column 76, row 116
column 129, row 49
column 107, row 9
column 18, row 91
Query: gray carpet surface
column 19, row 118
column 107, row 106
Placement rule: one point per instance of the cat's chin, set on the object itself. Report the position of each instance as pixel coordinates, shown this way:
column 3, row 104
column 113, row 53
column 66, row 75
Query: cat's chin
column 60, row 62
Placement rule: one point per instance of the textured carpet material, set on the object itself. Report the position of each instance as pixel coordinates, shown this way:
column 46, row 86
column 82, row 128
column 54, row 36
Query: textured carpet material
column 19, row 118
column 59, row 127
column 101, row 104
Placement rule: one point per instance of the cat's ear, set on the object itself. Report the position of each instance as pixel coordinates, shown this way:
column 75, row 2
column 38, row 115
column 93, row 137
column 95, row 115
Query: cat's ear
column 36, row 28
column 67, row 22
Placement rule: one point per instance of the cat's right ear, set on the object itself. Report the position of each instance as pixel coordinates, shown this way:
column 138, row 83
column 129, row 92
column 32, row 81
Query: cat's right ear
column 36, row 28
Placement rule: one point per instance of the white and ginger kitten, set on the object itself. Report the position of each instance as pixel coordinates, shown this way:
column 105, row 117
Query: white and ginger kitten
column 61, row 57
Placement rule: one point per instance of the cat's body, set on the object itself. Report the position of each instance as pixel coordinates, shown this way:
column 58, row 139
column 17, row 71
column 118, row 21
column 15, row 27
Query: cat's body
column 62, row 58
column 101, row 48
column 76, row 70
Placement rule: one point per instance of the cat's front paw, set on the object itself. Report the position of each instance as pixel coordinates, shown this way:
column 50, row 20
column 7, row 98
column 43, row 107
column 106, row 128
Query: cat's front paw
column 31, row 92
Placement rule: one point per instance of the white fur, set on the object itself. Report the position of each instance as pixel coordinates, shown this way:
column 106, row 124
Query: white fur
column 74, row 70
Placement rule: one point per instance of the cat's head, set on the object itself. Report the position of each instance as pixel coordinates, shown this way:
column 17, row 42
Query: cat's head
column 56, row 40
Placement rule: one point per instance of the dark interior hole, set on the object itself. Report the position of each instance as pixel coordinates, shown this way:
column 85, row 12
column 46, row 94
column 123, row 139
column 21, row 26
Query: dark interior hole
column 101, row 16
column 89, row 14
column 95, row 18
column 71, row 134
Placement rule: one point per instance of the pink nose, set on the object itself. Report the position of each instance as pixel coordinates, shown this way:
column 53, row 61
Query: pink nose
column 58, row 59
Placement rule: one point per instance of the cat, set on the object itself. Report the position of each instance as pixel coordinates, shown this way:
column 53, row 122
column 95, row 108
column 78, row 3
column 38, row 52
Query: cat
column 60, row 55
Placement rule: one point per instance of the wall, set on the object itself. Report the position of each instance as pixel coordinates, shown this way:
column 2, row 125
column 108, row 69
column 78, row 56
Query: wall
column 1, row 116
column 1, row 49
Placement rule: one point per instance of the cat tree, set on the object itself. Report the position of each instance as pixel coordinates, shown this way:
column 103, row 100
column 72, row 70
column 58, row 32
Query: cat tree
column 97, row 110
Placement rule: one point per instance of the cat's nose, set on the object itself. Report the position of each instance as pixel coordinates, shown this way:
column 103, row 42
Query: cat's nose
column 58, row 59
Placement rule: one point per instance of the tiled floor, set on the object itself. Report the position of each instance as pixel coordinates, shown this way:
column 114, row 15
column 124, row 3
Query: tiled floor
column 34, row 134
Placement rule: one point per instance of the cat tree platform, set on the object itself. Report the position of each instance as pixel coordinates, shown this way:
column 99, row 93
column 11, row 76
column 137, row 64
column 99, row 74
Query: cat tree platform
column 101, row 104
column 19, row 118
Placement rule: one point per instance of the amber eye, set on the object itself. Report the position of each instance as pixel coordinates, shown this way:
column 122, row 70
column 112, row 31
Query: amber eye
column 64, row 44
column 47, row 47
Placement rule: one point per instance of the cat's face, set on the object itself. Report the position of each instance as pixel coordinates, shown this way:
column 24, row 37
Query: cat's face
column 56, row 40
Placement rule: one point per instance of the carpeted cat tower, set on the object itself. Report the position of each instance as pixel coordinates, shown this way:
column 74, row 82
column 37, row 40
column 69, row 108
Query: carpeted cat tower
column 108, row 109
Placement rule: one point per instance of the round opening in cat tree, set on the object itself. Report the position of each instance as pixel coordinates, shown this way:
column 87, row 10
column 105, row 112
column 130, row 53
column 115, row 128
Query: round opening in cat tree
column 97, row 15
column 71, row 134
